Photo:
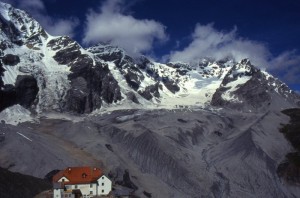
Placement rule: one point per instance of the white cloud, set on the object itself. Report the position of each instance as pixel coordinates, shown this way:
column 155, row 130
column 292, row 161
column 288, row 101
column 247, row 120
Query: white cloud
column 287, row 66
column 208, row 42
column 58, row 27
column 32, row 4
column 54, row 26
column 111, row 25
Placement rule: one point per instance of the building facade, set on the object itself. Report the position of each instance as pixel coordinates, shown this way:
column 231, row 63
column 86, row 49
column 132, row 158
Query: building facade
column 83, row 182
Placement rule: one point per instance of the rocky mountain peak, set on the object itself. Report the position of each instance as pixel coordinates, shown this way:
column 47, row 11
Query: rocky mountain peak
column 246, row 87
column 70, row 78
column 20, row 26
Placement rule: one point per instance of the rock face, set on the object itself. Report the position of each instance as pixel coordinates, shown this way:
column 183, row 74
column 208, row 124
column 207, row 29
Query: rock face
column 10, row 59
column 24, row 92
column 247, row 88
column 27, row 90
column 289, row 169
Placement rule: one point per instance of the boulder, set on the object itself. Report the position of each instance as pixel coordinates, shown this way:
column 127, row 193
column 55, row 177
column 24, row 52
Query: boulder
column 10, row 59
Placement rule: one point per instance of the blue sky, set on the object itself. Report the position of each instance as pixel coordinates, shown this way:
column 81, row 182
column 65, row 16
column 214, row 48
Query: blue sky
column 267, row 32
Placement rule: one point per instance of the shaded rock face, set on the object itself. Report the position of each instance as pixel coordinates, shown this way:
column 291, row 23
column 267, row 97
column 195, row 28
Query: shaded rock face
column 252, row 94
column 10, row 59
column 150, row 92
column 24, row 92
column 8, row 96
column 171, row 85
column 27, row 90
column 132, row 97
column 9, row 29
column 256, row 93
column 91, row 82
column 14, row 185
column 69, row 52
column 289, row 169
column 125, row 64
column 1, row 74
column 110, row 89
column 131, row 69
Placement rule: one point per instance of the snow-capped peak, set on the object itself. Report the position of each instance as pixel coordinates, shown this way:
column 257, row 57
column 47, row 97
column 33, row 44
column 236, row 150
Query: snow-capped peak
column 70, row 78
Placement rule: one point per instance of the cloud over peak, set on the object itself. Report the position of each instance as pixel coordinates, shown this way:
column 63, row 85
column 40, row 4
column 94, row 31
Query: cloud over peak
column 112, row 25
column 55, row 26
column 209, row 42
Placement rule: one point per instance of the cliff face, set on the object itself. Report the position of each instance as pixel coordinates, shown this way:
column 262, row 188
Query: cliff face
column 247, row 88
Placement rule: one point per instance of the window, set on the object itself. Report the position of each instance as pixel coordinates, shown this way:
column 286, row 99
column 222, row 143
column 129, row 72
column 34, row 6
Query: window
column 102, row 184
column 102, row 191
column 91, row 192
column 76, row 186
column 102, row 177
column 91, row 185
column 84, row 175
column 63, row 180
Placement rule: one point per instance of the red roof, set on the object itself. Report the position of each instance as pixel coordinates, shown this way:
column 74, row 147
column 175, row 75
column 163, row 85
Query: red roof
column 79, row 175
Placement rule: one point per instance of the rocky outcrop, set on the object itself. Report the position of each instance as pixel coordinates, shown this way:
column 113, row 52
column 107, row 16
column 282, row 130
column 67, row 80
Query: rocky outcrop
column 91, row 83
column 1, row 74
column 289, row 169
column 24, row 92
column 27, row 90
column 10, row 59
column 171, row 85
column 8, row 96
column 247, row 88
column 150, row 92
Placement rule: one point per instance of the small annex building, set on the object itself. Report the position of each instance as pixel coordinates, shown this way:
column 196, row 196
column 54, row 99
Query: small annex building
column 76, row 182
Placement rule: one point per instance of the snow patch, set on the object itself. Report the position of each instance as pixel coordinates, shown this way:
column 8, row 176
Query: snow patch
column 10, row 74
column 16, row 114
column 4, row 10
column 233, row 86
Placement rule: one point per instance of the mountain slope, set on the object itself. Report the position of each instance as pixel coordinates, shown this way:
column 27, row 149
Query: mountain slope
column 167, row 153
column 60, row 75
column 204, row 130
column 15, row 185
column 247, row 88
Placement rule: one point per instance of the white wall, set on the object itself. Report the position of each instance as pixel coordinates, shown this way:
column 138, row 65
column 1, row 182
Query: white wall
column 105, row 185
column 84, row 188
column 57, row 193
column 63, row 179
column 103, row 188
